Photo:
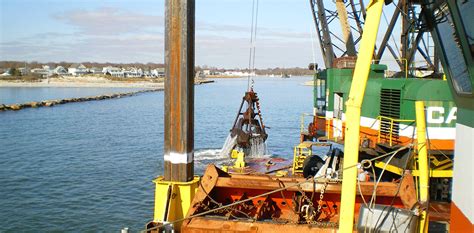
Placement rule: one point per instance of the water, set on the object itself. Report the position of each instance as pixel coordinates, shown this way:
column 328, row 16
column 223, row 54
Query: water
column 228, row 145
column 88, row 166
column 257, row 147
column 19, row 95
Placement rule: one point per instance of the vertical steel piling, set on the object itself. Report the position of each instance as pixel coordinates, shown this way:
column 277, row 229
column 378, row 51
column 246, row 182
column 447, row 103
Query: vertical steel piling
column 179, row 90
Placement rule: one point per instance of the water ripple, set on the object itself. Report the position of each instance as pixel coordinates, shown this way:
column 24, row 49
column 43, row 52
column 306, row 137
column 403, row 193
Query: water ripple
column 88, row 167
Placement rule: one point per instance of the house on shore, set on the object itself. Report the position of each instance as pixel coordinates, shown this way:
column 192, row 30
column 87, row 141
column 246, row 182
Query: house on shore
column 95, row 70
column 206, row 72
column 77, row 69
column 45, row 71
column 147, row 74
column 158, row 73
column 4, row 72
column 23, row 70
column 132, row 72
column 113, row 71
column 59, row 70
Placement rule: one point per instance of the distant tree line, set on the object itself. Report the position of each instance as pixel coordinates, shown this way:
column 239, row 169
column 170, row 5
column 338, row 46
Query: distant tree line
column 296, row 71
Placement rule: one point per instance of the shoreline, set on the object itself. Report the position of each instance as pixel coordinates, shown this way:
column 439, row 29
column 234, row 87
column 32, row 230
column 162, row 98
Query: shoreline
column 83, row 84
column 96, row 82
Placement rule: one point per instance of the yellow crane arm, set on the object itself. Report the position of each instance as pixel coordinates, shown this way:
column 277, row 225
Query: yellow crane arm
column 353, row 106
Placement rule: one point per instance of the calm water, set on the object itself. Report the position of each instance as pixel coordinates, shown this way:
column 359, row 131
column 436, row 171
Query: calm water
column 18, row 95
column 88, row 166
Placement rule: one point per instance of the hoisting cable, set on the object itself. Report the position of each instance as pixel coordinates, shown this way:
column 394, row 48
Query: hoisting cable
column 372, row 205
column 253, row 39
column 309, row 179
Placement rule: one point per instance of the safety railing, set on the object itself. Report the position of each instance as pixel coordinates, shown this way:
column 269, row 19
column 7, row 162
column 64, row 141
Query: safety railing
column 386, row 128
column 302, row 125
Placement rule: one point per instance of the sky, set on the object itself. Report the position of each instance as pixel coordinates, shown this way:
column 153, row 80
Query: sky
column 122, row 31
column 129, row 31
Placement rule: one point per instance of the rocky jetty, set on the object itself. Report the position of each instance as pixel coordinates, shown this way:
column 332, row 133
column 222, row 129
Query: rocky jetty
column 199, row 81
column 50, row 103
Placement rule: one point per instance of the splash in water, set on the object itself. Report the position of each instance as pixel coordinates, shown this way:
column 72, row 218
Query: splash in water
column 257, row 147
column 228, row 146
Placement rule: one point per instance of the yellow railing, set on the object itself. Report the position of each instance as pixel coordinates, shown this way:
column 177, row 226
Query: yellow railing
column 380, row 132
column 391, row 122
column 300, row 153
column 302, row 126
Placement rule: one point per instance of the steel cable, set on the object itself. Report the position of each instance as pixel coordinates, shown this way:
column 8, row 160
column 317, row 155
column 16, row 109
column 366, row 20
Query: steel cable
column 270, row 192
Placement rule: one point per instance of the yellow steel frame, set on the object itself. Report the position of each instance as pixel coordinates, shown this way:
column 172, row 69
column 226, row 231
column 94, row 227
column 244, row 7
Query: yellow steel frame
column 441, row 164
column 353, row 106
column 173, row 199
column 423, row 166
column 302, row 124
column 351, row 142
column 301, row 152
column 432, row 172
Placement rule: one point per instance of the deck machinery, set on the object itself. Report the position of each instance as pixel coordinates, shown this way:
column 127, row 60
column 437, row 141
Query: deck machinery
column 388, row 119
column 388, row 111
column 270, row 197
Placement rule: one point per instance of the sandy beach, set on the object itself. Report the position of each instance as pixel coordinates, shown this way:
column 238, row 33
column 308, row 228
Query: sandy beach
column 86, row 81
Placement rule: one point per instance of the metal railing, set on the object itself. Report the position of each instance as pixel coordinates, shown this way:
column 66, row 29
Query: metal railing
column 388, row 131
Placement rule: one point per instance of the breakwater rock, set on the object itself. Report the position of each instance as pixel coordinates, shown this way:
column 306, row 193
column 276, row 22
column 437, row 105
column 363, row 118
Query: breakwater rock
column 50, row 103
column 199, row 81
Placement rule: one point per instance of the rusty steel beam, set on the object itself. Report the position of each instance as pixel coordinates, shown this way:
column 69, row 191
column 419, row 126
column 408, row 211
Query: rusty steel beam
column 387, row 35
column 346, row 29
column 266, row 183
column 404, row 38
column 321, row 23
column 179, row 90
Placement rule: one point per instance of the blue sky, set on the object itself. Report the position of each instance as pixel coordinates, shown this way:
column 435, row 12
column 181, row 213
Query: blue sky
column 124, row 31
column 132, row 31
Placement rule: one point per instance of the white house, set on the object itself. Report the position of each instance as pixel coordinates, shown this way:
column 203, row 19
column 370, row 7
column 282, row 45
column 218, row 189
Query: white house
column 206, row 72
column 5, row 72
column 77, row 69
column 158, row 72
column 44, row 71
column 211, row 72
column 147, row 73
column 95, row 70
column 113, row 71
column 23, row 70
column 132, row 72
column 59, row 70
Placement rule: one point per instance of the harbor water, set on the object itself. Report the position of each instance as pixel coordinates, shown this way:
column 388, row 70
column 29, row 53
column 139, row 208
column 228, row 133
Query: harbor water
column 88, row 166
